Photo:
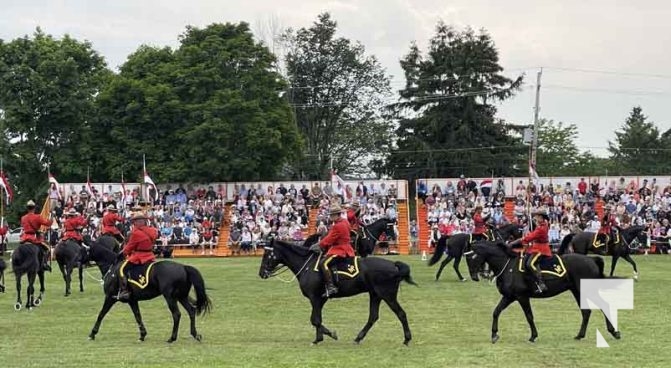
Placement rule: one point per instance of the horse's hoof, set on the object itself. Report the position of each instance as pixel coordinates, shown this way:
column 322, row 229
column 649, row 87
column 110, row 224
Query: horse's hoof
column 334, row 335
column 462, row 280
column 579, row 337
column 616, row 335
column 170, row 340
column 406, row 342
column 66, row 294
column 495, row 338
column 635, row 276
column 142, row 337
column 38, row 302
column 17, row 307
column 532, row 339
column 198, row 337
column 92, row 337
column 357, row 342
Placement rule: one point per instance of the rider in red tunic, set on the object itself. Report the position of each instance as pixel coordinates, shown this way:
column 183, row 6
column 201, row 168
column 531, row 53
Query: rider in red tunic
column 608, row 228
column 480, row 225
column 538, row 244
column 138, row 250
column 31, row 223
column 109, row 223
column 337, row 246
column 74, row 224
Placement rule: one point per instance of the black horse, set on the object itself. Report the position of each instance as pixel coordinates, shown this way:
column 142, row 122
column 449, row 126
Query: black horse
column 170, row 279
column 69, row 254
column 369, row 235
column 513, row 286
column 379, row 277
column 27, row 259
column 455, row 247
column 629, row 239
column 109, row 242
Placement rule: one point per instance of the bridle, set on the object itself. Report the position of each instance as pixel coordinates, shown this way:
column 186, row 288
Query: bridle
column 278, row 270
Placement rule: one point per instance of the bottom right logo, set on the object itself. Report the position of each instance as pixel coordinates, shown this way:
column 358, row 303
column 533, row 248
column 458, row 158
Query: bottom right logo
column 609, row 296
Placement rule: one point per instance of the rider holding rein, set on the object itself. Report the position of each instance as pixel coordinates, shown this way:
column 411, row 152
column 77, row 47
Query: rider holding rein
column 480, row 225
column 73, row 226
column 31, row 223
column 538, row 244
column 138, row 249
column 109, row 223
column 336, row 244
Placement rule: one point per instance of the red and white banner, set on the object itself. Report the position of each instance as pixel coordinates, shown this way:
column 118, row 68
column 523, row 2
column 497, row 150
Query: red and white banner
column 4, row 184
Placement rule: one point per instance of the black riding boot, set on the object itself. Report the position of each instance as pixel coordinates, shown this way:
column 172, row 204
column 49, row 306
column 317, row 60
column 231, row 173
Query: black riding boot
column 540, row 284
column 328, row 279
column 124, row 293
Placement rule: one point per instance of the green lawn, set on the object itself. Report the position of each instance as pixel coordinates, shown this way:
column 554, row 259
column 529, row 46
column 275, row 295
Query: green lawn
column 265, row 323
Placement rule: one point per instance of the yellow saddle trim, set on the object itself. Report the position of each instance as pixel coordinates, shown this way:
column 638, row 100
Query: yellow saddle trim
column 352, row 270
column 144, row 279
column 559, row 268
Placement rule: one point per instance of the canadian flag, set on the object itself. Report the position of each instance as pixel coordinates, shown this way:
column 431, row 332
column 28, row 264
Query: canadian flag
column 4, row 184
column 53, row 180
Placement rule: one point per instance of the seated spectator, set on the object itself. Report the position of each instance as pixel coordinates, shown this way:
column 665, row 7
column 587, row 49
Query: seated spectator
column 234, row 240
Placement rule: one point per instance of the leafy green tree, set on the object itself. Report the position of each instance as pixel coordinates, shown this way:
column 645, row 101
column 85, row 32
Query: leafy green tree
column 47, row 100
column 447, row 122
column 338, row 94
column 636, row 145
column 210, row 110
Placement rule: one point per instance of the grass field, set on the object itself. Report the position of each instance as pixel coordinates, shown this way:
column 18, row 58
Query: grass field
column 265, row 323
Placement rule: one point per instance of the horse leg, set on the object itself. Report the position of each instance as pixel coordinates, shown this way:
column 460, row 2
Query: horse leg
column 392, row 302
column 503, row 304
column 107, row 305
column 628, row 258
column 81, row 278
column 316, row 320
column 585, row 315
column 65, row 277
column 442, row 265
column 613, row 263
column 138, row 318
column 529, row 314
column 17, row 305
column 192, row 317
column 40, row 276
column 176, row 315
column 373, row 315
column 457, row 261
column 30, row 303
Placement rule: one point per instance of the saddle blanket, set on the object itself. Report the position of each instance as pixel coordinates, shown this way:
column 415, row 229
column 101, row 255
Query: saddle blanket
column 550, row 266
column 348, row 267
column 137, row 274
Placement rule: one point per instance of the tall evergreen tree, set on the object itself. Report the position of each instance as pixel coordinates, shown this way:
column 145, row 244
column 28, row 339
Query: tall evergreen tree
column 634, row 148
column 447, row 123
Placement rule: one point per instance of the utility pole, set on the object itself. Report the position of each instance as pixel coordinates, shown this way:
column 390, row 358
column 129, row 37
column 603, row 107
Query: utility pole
column 534, row 143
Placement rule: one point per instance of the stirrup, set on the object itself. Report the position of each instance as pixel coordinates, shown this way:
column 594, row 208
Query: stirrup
column 330, row 291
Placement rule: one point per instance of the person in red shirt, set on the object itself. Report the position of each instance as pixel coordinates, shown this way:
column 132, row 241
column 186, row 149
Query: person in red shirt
column 109, row 224
column 31, row 223
column 337, row 246
column 608, row 228
column 74, row 224
column 138, row 250
column 538, row 244
column 480, row 225
column 582, row 186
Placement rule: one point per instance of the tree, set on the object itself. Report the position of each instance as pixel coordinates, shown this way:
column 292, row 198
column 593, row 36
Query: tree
column 557, row 153
column 210, row 110
column 338, row 94
column 447, row 122
column 636, row 144
column 47, row 100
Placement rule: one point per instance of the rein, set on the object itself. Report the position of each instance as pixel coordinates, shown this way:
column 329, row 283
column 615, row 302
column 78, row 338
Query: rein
column 284, row 268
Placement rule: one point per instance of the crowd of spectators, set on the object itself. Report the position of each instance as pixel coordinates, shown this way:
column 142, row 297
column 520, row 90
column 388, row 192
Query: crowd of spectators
column 571, row 206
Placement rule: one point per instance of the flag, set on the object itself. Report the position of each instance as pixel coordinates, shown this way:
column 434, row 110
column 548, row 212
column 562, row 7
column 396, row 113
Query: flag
column 336, row 179
column 533, row 173
column 53, row 180
column 123, row 193
column 486, row 184
column 4, row 184
column 46, row 210
column 89, row 187
column 150, row 183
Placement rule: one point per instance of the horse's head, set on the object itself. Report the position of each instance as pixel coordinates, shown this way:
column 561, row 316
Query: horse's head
column 481, row 253
column 270, row 261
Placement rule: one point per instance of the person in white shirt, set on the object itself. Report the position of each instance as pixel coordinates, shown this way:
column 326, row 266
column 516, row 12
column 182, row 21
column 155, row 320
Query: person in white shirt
column 594, row 225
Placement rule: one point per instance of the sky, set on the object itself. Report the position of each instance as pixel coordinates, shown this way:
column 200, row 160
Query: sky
column 600, row 58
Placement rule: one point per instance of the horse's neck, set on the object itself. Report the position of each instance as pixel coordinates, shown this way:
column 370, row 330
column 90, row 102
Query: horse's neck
column 294, row 261
column 376, row 228
column 498, row 263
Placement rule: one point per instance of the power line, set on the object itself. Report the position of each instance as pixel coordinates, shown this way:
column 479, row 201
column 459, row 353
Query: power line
column 594, row 71
column 604, row 90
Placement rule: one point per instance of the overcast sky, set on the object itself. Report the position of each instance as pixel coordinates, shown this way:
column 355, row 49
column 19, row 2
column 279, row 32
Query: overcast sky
column 627, row 42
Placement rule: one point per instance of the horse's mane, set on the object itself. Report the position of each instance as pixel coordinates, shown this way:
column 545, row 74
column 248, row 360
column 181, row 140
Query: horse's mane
column 296, row 248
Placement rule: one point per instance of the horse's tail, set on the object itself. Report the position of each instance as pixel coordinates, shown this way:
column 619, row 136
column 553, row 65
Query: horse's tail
column 404, row 272
column 438, row 252
column 203, row 303
column 564, row 243
column 600, row 264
